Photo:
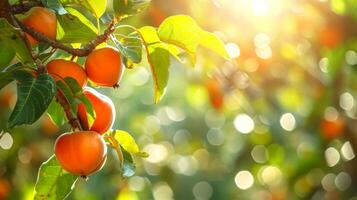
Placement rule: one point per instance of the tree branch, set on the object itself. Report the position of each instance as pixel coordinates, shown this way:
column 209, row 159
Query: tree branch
column 80, row 52
column 72, row 120
column 24, row 7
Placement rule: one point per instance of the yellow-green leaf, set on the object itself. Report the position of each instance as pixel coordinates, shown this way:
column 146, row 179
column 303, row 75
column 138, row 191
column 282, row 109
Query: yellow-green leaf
column 126, row 141
column 184, row 32
column 159, row 59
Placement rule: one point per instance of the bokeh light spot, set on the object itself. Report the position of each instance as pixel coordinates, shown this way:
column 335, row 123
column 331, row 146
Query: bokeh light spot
column 202, row 190
column 332, row 156
column 244, row 123
column 244, row 180
column 288, row 122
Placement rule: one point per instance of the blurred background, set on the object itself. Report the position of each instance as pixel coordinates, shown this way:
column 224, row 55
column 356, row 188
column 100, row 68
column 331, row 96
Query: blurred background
column 277, row 122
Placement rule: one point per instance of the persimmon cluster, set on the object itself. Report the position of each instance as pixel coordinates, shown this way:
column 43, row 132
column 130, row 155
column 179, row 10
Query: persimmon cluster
column 103, row 67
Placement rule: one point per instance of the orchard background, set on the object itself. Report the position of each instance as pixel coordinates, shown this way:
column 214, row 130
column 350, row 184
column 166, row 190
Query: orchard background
column 226, row 99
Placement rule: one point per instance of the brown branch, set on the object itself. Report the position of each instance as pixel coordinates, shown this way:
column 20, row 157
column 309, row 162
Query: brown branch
column 72, row 120
column 80, row 52
column 24, row 7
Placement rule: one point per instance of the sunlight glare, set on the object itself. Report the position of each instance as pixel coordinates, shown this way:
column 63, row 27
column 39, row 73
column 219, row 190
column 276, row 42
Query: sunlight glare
column 260, row 7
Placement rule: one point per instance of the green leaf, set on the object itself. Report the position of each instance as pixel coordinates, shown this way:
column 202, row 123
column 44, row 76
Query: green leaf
column 88, row 105
column 53, row 183
column 34, row 96
column 129, row 7
column 126, row 141
column 5, row 78
column 159, row 59
column 184, row 32
column 129, row 167
column 10, row 36
column 74, row 95
column 78, row 94
column 7, row 53
column 129, row 45
column 66, row 91
column 75, row 28
column 97, row 7
column 56, row 113
column 54, row 5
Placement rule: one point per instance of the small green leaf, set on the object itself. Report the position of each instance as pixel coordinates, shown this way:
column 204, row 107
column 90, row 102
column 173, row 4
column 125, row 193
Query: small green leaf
column 78, row 94
column 126, row 141
column 184, row 32
column 53, row 183
column 66, row 91
column 88, row 105
column 75, row 28
column 97, row 7
column 129, row 45
column 129, row 7
column 7, row 53
column 73, row 85
column 74, row 95
column 7, row 74
column 56, row 113
column 34, row 96
column 129, row 167
column 159, row 59
column 54, row 5
column 10, row 37
column 5, row 78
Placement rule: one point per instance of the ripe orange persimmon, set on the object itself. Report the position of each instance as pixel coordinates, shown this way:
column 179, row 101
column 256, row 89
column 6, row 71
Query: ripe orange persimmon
column 104, row 67
column 215, row 93
column 103, row 108
column 81, row 153
column 41, row 20
column 60, row 69
column 332, row 129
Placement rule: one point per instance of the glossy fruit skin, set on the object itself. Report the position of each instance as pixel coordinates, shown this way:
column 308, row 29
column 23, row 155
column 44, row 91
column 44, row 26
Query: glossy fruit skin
column 103, row 67
column 81, row 153
column 60, row 69
column 332, row 129
column 104, row 111
column 41, row 20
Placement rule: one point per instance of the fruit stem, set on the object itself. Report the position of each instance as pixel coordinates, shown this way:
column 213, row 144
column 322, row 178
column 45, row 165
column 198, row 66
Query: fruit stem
column 113, row 143
column 84, row 177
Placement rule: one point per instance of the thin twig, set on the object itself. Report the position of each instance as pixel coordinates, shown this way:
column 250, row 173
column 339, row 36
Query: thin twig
column 80, row 52
column 24, row 7
column 72, row 120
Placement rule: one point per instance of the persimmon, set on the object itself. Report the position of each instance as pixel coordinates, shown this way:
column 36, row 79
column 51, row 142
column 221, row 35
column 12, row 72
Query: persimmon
column 81, row 153
column 103, row 67
column 60, row 69
column 41, row 20
column 332, row 129
column 331, row 36
column 215, row 93
column 5, row 188
column 103, row 108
